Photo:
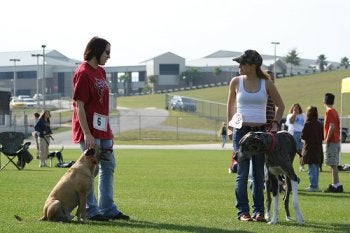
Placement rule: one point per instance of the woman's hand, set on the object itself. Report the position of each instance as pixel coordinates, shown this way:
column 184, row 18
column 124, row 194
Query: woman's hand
column 89, row 141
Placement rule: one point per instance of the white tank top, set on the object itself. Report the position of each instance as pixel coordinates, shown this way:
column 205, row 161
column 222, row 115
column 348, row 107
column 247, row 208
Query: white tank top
column 252, row 105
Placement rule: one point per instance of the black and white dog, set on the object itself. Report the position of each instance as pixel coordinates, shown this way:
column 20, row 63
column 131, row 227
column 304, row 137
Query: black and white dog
column 279, row 149
column 56, row 154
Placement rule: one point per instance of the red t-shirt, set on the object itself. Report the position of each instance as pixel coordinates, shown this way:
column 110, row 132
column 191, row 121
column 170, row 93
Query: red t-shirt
column 332, row 117
column 91, row 87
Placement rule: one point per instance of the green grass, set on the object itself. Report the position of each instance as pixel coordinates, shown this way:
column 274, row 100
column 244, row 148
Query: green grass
column 167, row 191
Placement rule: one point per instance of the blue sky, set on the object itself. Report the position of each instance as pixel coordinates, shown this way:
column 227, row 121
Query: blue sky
column 141, row 29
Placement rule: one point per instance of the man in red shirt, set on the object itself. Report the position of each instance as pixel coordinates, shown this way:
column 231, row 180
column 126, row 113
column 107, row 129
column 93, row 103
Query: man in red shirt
column 331, row 129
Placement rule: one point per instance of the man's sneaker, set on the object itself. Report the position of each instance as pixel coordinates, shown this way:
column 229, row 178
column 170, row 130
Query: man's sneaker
column 120, row 216
column 245, row 218
column 259, row 218
column 332, row 189
column 98, row 217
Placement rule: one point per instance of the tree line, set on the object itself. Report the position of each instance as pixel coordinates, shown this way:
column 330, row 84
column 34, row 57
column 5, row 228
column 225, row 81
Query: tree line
column 293, row 59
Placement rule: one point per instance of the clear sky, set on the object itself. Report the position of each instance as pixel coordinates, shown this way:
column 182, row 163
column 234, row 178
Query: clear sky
column 141, row 29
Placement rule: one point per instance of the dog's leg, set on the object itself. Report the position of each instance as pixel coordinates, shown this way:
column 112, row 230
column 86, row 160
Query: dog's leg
column 274, row 219
column 54, row 212
column 298, row 214
column 288, row 188
column 81, row 211
column 268, row 204
column 269, row 189
column 275, row 193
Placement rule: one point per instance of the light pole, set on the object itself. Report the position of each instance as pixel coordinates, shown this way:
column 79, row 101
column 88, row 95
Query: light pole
column 274, row 64
column 37, row 76
column 43, row 79
column 14, row 74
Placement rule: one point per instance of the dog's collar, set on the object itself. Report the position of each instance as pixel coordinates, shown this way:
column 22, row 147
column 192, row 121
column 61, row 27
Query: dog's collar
column 92, row 160
column 273, row 143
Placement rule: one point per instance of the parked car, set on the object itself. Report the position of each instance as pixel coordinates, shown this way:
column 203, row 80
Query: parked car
column 21, row 97
column 344, row 131
column 183, row 104
column 30, row 102
column 17, row 103
column 38, row 96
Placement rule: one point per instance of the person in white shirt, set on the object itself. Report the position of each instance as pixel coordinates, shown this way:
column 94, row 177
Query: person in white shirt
column 295, row 122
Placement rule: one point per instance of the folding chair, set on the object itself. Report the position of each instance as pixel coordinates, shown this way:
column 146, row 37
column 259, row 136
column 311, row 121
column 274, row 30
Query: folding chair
column 12, row 146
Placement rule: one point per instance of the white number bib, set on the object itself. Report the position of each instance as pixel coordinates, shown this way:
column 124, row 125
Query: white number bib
column 99, row 122
column 236, row 121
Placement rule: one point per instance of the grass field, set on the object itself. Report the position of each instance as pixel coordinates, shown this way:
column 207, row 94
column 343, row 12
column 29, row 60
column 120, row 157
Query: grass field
column 167, row 191
column 305, row 89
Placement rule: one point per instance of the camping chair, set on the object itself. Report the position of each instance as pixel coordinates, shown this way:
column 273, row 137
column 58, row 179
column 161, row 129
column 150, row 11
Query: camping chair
column 12, row 146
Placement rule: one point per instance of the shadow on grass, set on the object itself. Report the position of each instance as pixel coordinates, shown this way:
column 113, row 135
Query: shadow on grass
column 324, row 194
column 320, row 227
column 151, row 226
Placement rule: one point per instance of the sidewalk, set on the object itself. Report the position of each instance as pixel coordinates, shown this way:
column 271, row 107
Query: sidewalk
column 65, row 139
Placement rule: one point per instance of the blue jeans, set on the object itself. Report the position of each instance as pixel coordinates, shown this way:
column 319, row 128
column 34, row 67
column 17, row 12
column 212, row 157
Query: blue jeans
column 297, row 138
column 105, row 205
column 258, row 161
column 223, row 139
column 313, row 175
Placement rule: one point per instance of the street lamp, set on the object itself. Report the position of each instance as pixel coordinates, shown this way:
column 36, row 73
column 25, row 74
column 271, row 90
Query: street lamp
column 37, row 76
column 274, row 64
column 43, row 80
column 14, row 74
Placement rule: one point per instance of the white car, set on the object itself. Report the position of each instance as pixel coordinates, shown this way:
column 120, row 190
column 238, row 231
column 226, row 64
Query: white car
column 38, row 96
column 31, row 103
column 22, row 97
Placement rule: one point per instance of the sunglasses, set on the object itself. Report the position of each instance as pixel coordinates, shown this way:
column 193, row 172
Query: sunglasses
column 108, row 52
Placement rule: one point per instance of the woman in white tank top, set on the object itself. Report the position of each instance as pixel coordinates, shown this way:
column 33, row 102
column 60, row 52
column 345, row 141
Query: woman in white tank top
column 247, row 100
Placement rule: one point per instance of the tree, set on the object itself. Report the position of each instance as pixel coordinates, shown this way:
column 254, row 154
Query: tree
column 322, row 62
column 190, row 76
column 152, row 79
column 344, row 62
column 217, row 71
column 125, row 79
column 293, row 59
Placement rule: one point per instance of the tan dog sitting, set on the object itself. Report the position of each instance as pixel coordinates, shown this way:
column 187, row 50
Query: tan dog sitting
column 72, row 189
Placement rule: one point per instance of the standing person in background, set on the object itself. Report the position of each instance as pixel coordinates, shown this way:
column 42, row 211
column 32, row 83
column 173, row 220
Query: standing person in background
column 331, row 131
column 223, row 134
column 246, row 111
column 312, row 153
column 42, row 127
column 295, row 121
column 90, row 125
column 270, row 106
column 35, row 134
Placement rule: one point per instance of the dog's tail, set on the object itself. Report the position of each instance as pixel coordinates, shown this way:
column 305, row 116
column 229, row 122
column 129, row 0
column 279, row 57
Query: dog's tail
column 43, row 218
column 61, row 149
column 18, row 218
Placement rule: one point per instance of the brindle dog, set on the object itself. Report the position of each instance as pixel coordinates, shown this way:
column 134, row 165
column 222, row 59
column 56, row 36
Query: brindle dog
column 279, row 149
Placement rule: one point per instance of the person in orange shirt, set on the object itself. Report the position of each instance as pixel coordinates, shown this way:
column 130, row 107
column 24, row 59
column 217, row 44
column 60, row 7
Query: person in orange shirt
column 331, row 131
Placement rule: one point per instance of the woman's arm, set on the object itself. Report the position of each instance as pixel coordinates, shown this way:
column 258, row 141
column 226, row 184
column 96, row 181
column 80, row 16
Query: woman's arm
column 89, row 139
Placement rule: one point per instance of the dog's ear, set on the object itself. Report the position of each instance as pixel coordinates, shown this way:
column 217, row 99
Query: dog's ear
column 89, row 152
column 245, row 137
